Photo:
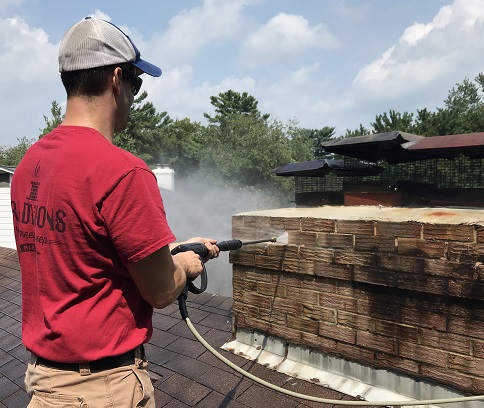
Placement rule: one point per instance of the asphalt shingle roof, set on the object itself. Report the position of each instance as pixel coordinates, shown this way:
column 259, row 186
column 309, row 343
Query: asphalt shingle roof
column 185, row 374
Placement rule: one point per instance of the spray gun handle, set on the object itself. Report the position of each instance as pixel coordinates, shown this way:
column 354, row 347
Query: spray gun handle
column 203, row 282
column 202, row 251
column 197, row 247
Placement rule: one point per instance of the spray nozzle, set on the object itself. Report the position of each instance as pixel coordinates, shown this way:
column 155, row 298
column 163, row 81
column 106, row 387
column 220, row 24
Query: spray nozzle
column 257, row 241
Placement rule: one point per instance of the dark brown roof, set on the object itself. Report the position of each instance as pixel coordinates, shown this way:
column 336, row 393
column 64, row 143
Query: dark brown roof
column 186, row 375
column 322, row 167
column 400, row 147
column 375, row 147
column 470, row 144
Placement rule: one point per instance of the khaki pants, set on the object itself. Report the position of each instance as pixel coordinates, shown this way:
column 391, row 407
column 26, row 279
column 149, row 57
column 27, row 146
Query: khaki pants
column 121, row 387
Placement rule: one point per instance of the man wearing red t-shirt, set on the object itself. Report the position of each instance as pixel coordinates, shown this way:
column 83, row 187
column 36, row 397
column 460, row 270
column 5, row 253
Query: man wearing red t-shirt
column 92, row 236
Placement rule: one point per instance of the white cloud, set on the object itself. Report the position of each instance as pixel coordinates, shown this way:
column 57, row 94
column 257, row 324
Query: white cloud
column 100, row 15
column 284, row 37
column 30, row 78
column 25, row 52
column 416, row 33
column 377, row 70
column 301, row 77
column 425, row 53
column 302, row 94
column 416, row 72
column 214, row 22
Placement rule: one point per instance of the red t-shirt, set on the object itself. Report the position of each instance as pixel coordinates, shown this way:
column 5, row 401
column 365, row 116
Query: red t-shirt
column 83, row 209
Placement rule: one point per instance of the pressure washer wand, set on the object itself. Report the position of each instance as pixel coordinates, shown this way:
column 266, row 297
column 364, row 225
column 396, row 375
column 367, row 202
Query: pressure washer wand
column 202, row 251
column 233, row 244
column 229, row 245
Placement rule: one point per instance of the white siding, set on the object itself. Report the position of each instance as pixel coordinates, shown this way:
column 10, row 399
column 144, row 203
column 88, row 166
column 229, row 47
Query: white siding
column 7, row 238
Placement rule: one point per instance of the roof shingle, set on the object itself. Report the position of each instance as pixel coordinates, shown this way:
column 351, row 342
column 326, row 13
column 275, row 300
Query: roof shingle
column 184, row 373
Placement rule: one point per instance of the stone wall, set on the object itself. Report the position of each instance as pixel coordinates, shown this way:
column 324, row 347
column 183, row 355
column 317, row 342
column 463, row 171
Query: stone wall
column 399, row 289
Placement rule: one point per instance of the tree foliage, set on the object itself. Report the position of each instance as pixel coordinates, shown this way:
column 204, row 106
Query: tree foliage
column 393, row 121
column 51, row 124
column 245, row 150
column 11, row 156
column 234, row 103
column 463, row 112
column 182, row 145
column 302, row 143
column 312, row 139
column 143, row 135
column 360, row 131
column 242, row 148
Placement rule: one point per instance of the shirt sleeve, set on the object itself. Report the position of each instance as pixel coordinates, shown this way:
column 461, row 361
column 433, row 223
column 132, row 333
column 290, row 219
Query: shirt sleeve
column 135, row 216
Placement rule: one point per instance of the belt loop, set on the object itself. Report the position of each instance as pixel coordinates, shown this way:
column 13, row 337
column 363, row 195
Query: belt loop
column 138, row 353
column 84, row 369
column 33, row 359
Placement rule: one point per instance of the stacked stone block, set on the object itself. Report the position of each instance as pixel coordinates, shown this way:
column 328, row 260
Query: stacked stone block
column 403, row 296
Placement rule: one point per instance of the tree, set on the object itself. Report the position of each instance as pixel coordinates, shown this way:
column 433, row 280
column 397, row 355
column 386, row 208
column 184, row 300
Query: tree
column 143, row 135
column 57, row 118
column 463, row 108
column 244, row 148
column 301, row 145
column 393, row 121
column 11, row 156
column 464, row 97
column 245, row 151
column 424, row 122
column 182, row 145
column 463, row 111
column 360, row 131
column 313, row 138
column 232, row 103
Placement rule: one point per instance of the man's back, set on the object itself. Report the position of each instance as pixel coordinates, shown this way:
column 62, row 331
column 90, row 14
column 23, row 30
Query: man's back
column 75, row 201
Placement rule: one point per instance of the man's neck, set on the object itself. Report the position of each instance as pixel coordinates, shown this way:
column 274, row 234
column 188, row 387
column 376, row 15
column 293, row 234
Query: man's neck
column 93, row 113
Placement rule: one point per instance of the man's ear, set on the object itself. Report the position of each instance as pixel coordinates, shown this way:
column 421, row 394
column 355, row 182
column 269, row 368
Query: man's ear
column 116, row 80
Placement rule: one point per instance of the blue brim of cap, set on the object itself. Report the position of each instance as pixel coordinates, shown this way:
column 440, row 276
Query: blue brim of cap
column 147, row 67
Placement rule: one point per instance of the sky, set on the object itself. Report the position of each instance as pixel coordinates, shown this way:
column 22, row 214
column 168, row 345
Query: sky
column 313, row 63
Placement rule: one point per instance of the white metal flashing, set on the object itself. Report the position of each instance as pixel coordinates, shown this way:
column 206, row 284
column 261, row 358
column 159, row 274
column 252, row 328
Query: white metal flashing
column 350, row 378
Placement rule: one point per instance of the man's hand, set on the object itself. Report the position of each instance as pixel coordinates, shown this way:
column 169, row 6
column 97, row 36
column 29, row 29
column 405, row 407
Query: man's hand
column 213, row 250
column 190, row 262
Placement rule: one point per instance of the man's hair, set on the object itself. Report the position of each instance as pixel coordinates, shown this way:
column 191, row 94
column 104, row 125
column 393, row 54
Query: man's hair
column 89, row 82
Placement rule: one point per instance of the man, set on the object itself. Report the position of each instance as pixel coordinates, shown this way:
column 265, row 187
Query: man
column 92, row 236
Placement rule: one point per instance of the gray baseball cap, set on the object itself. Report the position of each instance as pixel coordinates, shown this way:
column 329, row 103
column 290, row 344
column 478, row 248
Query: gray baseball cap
column 93, row 43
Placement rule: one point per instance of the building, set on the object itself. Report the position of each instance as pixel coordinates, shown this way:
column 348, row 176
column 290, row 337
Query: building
column 7, row 238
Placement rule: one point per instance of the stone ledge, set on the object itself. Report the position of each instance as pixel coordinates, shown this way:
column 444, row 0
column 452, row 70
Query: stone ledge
column 439, row 215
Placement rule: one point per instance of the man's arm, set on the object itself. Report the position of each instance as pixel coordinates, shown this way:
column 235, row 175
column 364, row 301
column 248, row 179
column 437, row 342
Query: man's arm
column 160, row 277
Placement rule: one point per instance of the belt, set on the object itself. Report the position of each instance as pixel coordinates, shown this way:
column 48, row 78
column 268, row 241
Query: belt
column 106, row 363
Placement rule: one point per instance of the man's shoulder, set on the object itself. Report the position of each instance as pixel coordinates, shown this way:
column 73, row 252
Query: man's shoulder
column 88, row 141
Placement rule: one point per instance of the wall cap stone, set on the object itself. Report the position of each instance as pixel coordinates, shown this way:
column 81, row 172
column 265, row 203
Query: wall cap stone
column 437, row 215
